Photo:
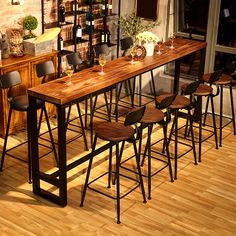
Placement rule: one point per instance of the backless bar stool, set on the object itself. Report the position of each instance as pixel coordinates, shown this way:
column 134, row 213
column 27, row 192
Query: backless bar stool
column 221, row 81
column 115, row 132
column 20, row 103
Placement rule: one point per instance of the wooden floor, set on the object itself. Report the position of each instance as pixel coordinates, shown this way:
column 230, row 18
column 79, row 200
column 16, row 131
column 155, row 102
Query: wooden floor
column 201, row 202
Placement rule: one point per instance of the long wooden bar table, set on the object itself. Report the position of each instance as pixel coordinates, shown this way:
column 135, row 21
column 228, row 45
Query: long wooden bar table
column 84, row 85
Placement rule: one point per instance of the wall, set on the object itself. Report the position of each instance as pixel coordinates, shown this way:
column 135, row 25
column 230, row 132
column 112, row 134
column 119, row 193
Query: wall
column 11, row 14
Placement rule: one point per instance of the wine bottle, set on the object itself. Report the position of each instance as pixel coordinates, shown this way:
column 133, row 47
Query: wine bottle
column 77, row 32
column 108, row 36
column 62, row 14
column 89, row 22
column 109, row 7
column 103, row 10
column 90, row 56
column 60, row 43
column 103, row 38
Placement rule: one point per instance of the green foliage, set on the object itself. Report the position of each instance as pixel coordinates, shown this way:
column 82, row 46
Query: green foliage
column 30, row 22
column 131, row 25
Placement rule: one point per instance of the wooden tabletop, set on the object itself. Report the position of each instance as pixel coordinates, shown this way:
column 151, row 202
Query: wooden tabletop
column 89, row 81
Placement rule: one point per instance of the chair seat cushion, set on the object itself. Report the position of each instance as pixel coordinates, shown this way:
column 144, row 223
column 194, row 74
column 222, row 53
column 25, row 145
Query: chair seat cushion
column 180, row 101
column 114, row 131
column 223, row 80
column 21, row 103
column 152, row 115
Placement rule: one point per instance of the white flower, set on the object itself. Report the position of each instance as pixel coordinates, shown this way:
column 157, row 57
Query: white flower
column 148, row 37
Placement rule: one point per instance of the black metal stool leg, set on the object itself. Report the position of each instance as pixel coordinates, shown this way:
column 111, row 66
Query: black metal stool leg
column 82, row 126
column 232, row 107
column 221, row 114
column 214, row 121
column 118, row 182
column 149, row 160
column 29, row 153
column 192, row 136
column 176, row 142
column 110, row 168
column 167, row 152
column 200, row 129
column 6, row 138
column 137, row 155
column 206, row 110
column 131, row 93
column 50, row 134
column 88, row 173
column 140, row 90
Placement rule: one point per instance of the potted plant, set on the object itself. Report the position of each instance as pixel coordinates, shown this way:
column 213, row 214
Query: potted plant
column 131, row 25
column 148, row 39
column 30, row 23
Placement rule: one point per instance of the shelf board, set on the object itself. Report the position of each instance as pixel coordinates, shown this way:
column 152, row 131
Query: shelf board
column 64, row 52
column 71, row 13
column 70, row 42
column 55, row 24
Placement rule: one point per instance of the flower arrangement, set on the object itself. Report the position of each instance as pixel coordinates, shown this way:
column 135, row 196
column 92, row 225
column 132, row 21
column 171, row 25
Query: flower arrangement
column 147, row 37
column 131, row 25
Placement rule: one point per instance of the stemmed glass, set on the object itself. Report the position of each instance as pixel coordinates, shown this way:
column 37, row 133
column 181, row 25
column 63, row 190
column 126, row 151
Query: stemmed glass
column 172, row 39
column 69, row 70
column 102, row 62
column 132, row 52
column 159, row 44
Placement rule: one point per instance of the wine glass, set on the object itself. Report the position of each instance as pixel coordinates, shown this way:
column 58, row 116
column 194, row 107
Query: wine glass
column 102, row 62
column 132, row 52
column 172, row 39
column 159, row 44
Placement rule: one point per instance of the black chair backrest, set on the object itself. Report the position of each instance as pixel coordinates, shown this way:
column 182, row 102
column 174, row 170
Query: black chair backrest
column 10, row 80
column 125, row 44
column 101, row 49
column 166, row 102
column 215, row 76
column 134, row 116
column 45, row 68
column 74, row 59
column 191, row 88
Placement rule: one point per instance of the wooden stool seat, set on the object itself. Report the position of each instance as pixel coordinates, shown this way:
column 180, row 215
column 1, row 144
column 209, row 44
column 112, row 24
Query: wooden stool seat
column 152, row 115
column 180, row 101
column 114, row 131
column 223, row 80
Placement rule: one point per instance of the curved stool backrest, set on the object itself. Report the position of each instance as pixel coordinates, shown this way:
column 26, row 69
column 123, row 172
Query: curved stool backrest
column 74, row 59
column 44, row 69
column 166, row 102
column 101, row 49
column 134, row 116
column 125, row 44
column 10, row 79
column 191, row 88
column 215, row 76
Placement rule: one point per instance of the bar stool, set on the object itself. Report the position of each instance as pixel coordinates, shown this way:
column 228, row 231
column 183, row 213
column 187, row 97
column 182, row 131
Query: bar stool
column 221, row 81
column 149, row 119
column 187, row 103
column 20, row 103
column 202, row 90
column 115, row 132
